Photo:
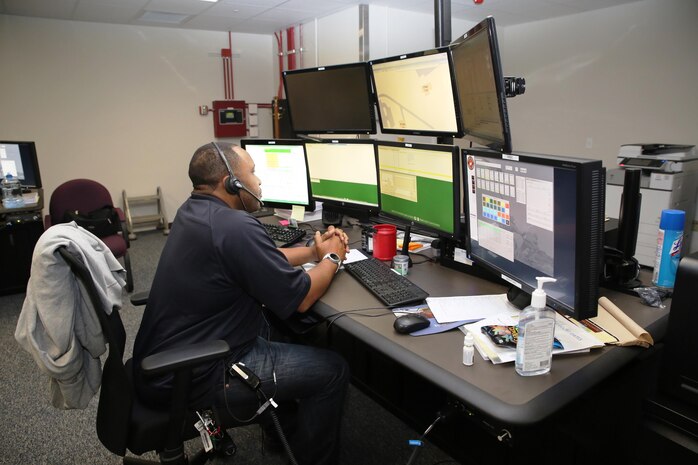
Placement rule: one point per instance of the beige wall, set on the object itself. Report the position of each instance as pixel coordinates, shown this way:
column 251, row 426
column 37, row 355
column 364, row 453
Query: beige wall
column 119, row 104
column 597, row 80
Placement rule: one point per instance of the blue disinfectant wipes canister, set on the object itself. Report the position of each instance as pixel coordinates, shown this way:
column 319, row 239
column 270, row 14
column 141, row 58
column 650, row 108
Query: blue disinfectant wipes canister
column 669, row 242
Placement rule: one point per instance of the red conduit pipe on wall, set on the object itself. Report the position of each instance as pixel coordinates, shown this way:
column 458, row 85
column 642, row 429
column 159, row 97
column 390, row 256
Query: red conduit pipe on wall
column 230, row 66
column 281, row 62
column 291, row 47
column 227, row 56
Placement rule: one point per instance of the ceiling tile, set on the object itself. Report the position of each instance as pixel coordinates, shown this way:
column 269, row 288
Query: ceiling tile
column 183, row 7
column 235, row 11
column 59, row 9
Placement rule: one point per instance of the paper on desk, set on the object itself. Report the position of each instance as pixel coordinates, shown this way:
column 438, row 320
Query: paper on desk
column 418, row 243
column 472, row 307
column 434, row 326
column 31, row 198
column 573, row 338
column 298, row 213
column 354, row 255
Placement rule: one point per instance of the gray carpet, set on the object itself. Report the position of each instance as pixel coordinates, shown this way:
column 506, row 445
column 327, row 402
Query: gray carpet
column 35, row 433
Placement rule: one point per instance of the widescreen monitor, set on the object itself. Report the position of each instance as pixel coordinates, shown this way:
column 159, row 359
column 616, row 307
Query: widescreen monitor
column 534, row 215
column 420, row 186
column 480, row 87
column 282, row 167
column 416, row 95
column 19, row 159
column 330, row 100
column 344, row 176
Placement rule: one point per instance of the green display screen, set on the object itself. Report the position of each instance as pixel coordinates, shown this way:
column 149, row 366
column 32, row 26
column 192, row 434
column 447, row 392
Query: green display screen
column 417, row 183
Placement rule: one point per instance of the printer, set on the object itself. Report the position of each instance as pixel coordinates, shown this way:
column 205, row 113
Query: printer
column 669, row 180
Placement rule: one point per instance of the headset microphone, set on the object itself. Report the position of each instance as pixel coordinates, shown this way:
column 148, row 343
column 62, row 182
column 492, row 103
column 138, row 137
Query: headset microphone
column 232, row 184
column 242, row 186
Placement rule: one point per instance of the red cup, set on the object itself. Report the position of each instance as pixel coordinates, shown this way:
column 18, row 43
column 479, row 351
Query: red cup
column 384, row 241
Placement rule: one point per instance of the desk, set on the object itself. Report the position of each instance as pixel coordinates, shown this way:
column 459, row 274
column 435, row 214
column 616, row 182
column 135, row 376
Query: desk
column 495, row 394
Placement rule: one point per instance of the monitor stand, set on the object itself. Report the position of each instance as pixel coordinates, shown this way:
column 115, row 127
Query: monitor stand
column 331, row 218
column 262, row 212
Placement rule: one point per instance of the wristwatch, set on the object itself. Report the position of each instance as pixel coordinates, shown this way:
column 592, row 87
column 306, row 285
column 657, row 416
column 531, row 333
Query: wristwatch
column 334, row 258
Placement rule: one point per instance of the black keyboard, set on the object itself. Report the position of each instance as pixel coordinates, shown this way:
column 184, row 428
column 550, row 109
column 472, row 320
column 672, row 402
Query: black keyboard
column 391, row 288
column 284, row 236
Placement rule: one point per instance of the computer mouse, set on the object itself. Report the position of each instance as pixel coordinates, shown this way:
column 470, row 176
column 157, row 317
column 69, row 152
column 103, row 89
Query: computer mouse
column 410, row 323
column 310, row 242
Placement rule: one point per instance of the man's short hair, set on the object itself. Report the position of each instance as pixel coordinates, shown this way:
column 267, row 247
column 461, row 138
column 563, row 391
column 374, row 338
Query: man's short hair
column 206, row 167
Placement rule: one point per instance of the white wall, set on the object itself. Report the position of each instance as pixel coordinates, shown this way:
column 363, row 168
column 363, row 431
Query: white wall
column 119, row 104
column 338, row 37
column 597, row 80
column 394, row 32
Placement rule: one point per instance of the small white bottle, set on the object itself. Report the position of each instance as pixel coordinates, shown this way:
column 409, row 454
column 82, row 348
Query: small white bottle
column 468, row 349
column 534, row 347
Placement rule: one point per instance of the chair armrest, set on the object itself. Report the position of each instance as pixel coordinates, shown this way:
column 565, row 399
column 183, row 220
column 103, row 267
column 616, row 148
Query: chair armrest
column 184, row 357
column 140, row 298
column 122, row 217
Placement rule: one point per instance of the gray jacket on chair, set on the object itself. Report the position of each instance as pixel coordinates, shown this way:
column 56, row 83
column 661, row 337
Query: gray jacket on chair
column 57, row 325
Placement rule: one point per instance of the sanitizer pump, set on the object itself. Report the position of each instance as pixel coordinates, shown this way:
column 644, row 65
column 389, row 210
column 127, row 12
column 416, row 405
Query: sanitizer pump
column 534, row 347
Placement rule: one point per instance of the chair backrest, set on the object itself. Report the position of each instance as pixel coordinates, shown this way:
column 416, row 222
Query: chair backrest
column 83, row 195
column 117, row 394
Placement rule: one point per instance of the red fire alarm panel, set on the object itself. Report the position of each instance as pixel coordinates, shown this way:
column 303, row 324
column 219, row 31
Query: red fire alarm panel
column 229, row 118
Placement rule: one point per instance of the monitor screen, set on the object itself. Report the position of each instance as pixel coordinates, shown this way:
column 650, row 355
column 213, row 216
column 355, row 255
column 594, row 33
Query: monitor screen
column 343, row 174
column 538, row 215
column 480, row 87
column 19, row 160
column 415, row 94
column 419, row 185
column 283, row 169
column 330, row 100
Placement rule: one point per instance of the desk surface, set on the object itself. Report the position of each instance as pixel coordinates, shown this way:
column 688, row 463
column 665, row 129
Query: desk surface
column 39, row 205
column 496, row 390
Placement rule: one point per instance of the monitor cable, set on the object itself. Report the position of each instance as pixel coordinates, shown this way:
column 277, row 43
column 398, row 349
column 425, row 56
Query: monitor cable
column 418, row 443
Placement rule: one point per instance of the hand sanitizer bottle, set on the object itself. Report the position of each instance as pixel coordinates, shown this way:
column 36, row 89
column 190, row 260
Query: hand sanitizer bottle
column 534, row 347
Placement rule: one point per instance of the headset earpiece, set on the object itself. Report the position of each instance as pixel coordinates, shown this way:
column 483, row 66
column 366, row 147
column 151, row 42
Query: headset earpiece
column 232, row 184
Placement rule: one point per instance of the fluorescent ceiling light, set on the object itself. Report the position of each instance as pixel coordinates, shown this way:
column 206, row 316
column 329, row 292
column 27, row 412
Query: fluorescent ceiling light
column 212, row 1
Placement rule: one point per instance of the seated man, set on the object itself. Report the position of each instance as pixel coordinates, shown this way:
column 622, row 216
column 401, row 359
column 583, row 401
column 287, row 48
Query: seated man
column 216, row 272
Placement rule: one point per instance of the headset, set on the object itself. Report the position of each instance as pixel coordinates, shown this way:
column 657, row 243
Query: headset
column 233, row 185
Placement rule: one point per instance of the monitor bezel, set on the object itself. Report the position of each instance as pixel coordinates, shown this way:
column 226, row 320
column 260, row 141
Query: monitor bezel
column 400, row 220
column 505, row 145
column 371, row 129
column 583, row 277
column 276, row 142
column 32, row 159
column 456, row 103
column 355, row 210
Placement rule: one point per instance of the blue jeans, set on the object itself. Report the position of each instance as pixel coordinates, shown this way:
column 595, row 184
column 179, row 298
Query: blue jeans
column 315, row 378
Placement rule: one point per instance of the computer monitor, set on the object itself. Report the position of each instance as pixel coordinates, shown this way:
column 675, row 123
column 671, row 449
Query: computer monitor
column 534, row 215
column 282, row 167
column 344, row 176
column 480, row 87
column 19, row 159
column 330, row 100
column 420, row 186
column 416, row 94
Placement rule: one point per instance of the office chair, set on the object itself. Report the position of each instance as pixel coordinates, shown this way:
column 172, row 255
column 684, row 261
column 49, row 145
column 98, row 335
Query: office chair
column 85, row 195
column 123, row 421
